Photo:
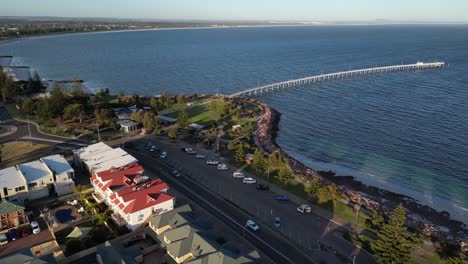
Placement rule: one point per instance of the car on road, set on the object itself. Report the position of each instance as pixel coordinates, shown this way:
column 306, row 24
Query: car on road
column 249, row 180
column 35, row 227
column 304, row 208
column 200, row 156
column 14, row 234
column 163, row 155
column 3, row 239
column 277, row 222
column 191, row 152
column 263, row 187
column 238, row 174
column 223, row 167
column 252, row 225
column 282, row 198
column 176, row 173
column 212, row 162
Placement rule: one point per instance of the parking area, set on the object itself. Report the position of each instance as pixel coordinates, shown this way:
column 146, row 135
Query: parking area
column 29, row 241
column 311, row 231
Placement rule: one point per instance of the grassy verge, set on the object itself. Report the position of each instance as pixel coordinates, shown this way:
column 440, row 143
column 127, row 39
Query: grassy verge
column 20, row 152
column 47, row 127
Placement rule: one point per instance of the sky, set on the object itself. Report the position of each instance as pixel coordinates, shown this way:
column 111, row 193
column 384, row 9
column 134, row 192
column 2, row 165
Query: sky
column 297, row 10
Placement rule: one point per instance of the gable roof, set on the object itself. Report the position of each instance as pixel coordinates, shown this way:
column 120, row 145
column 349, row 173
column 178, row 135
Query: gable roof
column 11, row 178
column 57, row 163
column 7, row 207
column 176, row 217
column 34, row 171
column 93, row 149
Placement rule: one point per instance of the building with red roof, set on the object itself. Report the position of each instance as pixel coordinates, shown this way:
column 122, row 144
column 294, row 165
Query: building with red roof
column 132, row 196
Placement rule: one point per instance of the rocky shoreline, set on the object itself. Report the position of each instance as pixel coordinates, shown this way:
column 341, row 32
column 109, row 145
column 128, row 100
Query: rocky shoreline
column 421, row 217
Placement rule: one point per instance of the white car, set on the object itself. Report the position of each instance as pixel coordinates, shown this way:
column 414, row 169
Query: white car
column 212, row 162
column 223, row 167
column 304, row 208
column 3, row 239
column 191, row 151
column 277, row 222
column 249, row 180
column 238, row 174
column 252, row 225
column 200, row 156
column 35, row 227
column 163, row 155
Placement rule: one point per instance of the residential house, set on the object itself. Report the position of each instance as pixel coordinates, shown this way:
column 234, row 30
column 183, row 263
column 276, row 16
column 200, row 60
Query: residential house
column 185, row 242
column 13, row 186
column 124, row 113
column 128, row 127
column 11, row 215
column 85, row 152
column 62, row 172
column 39, row 178
column 100, row 157
column 133, row 197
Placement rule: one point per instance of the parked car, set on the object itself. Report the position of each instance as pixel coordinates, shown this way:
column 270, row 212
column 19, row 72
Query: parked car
column 14, row 234
column 25, row 232
column 304, row 208
column 223, row 167
column 191, row 151
column 200, row 156
column 212, row 162
column 163, row 155
column 35, row 227
column 3, row 239
column 252, row 225
column 238, row 174
column 263, row 187
column 283, row 198
column 176, row 173
column 249, row 180
column 277, row 222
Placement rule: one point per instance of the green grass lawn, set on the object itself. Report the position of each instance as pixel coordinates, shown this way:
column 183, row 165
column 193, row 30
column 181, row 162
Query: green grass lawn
column 23, row 152
column 200, row 115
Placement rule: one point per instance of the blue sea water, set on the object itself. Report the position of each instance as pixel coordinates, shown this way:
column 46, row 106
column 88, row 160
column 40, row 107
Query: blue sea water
column 406, row 132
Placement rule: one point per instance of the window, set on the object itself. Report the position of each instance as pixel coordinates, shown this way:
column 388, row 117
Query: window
column 32, row 184
column 21, row 188
column 140, row 218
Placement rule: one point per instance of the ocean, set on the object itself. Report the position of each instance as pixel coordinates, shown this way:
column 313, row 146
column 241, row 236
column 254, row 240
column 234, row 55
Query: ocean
column 406, row 132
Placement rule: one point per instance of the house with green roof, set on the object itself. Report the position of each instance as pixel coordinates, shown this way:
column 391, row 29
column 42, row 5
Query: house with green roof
column 11, row 214
column 185, row 240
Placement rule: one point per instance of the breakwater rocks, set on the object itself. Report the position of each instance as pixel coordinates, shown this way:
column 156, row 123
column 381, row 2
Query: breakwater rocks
column 420, row 217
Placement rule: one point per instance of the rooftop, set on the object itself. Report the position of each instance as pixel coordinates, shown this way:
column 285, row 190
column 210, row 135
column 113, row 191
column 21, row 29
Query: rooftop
column 11, row 178
column 127, row 123
column 34, row 170
column 174, row 217
column 6, row 61
column 7, row 207
column 114, row 163
column 20, row 73
column 116, row 178
column 103, row 156
column 57, row 163
column 92, row 150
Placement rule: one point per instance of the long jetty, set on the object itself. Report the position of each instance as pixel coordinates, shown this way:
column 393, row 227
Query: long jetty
column 337, row 75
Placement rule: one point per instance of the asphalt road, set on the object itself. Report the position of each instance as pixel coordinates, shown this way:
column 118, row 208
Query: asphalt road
column 22, row 133
column 271, row 244
column 306, row 231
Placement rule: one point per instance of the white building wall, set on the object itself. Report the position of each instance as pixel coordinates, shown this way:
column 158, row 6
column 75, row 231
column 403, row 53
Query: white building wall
column 38, row 192
column 64, row 187
column 135, row 219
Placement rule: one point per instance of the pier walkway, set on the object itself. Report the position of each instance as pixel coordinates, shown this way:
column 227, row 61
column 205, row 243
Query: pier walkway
column 337, row 75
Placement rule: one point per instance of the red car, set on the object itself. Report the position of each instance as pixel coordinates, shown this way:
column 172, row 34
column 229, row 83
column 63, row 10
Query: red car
column 25, row 232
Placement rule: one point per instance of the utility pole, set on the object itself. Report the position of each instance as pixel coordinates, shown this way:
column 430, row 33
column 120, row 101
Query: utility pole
column 99, row 135
column 29, row 129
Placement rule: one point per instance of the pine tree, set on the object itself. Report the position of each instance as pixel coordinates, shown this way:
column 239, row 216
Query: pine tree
column 173, row 133
column 258, row 163
column 312, row 188
column 240, row 155
column 393, row 244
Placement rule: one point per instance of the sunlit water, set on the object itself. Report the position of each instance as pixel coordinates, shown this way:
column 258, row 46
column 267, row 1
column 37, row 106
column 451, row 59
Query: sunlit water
column 407, row 131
